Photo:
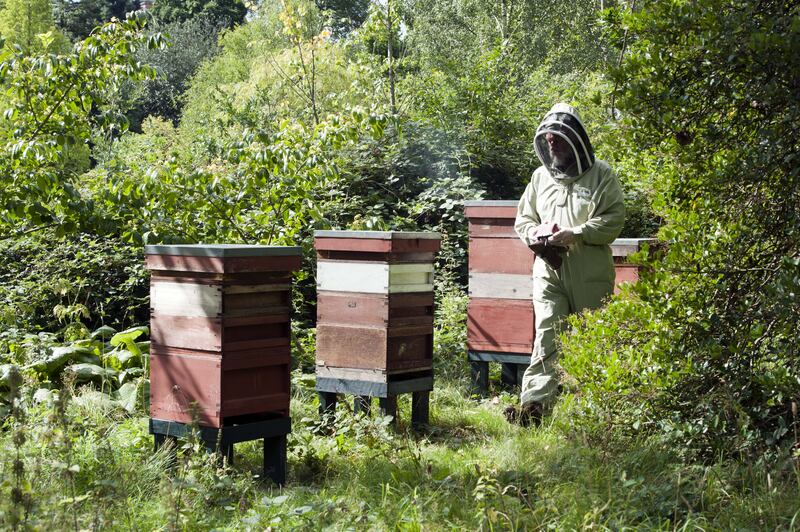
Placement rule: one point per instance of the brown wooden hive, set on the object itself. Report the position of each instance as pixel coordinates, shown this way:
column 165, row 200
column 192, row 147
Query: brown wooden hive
column 374, row 303
column 220, row 331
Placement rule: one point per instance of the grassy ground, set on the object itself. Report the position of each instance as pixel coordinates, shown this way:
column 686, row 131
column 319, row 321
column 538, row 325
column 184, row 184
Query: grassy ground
column 92, row 467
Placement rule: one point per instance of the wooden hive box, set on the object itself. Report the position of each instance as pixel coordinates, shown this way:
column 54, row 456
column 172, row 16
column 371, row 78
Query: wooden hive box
column 220, row 331
column 374, row 303
column 622, row 248
column 500, row 311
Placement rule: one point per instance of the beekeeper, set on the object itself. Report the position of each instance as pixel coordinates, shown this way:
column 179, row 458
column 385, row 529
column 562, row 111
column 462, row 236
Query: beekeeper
column 573, row 206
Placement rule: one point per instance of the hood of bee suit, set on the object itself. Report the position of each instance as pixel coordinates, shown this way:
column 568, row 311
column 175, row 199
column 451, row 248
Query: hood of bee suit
column 563, row 121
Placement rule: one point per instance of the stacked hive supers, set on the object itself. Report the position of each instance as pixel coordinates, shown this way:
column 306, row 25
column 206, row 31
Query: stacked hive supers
column 500, row 318
column 220, row 341
column 375, row 315
column 500, row 313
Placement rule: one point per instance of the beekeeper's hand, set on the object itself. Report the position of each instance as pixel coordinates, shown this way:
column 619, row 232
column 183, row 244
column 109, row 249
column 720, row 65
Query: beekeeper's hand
column 563, row 237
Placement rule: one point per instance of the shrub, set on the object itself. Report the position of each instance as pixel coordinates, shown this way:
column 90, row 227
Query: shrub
column 98, row 279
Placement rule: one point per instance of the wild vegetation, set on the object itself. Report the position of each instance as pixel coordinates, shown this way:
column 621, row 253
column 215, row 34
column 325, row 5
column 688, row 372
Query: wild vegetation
column 260, row 122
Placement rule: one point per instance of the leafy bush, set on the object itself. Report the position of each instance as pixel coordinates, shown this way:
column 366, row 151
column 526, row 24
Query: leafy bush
column 450, row 334
column 708, row 353
column 46, row 281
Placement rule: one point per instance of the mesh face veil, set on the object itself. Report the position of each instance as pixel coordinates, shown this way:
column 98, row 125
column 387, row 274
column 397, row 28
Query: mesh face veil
column 573, row 154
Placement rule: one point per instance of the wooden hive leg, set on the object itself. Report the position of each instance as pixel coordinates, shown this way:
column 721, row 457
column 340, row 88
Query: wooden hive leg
column 521, row 372
column 508, row 375
column 327, row 403
column 218, row 442
column 226, row 452
column 480, row 376
column 275, row 459
column 158, row 441
column 362, row 404
column 389, row 407
column 420, row 408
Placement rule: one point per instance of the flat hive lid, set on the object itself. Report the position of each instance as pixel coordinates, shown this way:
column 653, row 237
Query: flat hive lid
column 378, row 241
column 491, row 203
column 504, row 209
column 622, row 247
column 223, row 251
column 380, row 235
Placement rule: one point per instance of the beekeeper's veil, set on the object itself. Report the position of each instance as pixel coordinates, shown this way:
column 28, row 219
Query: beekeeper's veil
column 562, row 120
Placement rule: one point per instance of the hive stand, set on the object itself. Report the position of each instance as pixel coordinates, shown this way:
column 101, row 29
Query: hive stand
column 273, row 432
column 220, row 345
column 375, row 319
column 363, row 391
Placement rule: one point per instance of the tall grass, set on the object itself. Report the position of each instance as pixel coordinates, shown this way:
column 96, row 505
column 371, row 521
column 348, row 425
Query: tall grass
column 469, row 469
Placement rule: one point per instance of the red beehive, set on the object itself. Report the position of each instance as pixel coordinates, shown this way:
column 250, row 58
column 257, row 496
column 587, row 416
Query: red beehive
column 500, row 312
column 622, row 248
column 220, row 329
column 374, row 303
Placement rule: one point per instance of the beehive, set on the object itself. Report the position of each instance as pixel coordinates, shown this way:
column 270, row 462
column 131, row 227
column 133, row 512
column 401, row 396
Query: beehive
column 500, row 312
column 375, row 311
column 220, row 332
column 375, row 300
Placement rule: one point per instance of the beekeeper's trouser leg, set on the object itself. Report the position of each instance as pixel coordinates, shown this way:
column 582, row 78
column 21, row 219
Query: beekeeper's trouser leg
column 550, row 306
column 555, row 295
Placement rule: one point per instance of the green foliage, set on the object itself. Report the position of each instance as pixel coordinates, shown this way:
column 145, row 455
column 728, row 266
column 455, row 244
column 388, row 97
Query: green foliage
column 450, row 335
column 344, row 16
column 77, row 19
column 191, row 42
column 714, row 330
column 228, row 12
column 98, row 276
column 260, row 186
column 28, row 26
column 86, row 461
column 53, row 104
column 562, row 35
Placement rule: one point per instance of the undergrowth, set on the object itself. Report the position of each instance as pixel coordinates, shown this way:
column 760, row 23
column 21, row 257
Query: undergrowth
column 84, row 463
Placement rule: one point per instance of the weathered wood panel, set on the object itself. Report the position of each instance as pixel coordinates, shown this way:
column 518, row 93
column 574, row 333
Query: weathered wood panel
column 370, row 375
column 224, row 280
column 218, row 334
column 377, row 245
column 185, row 299
column 500, row 325
column 369, row 310
column 387, row 258
column 508, row 211
column 374, row 348
column 352, row 277
column 180, row 384
column 218, row 386
column 203, row 334
column 180, row 263
column 374, row 278
column 256, row 288
column 625, row 273
column 253, row 303
column 501, row 285
column 404, row 278
column 492, row 228
column 500, row 255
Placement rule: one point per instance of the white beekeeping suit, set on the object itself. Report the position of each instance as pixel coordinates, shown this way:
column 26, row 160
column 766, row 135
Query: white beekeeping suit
column 583, row 197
